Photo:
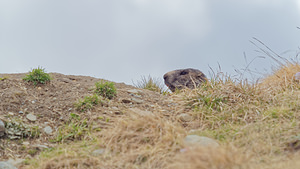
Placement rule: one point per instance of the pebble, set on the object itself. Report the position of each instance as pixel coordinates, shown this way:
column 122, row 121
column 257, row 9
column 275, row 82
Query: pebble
column 138, row 101
column 2, row 128
column 40, row 147
column 21, row 112
column 6, row 165
column 31, row 117
column 126, row 101
column 11, row 113
column 25, row 143
column 195, row 140
column 185, row 117
column 16, row 162
column 135, row 91
column 48, row 130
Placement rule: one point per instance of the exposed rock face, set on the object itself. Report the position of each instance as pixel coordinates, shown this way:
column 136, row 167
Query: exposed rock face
column 181, row 78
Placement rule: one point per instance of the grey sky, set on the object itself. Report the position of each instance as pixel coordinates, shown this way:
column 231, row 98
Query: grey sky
column 121, row 40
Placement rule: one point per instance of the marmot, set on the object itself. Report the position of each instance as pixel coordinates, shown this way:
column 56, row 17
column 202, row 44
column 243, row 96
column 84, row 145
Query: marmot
column 181, row 78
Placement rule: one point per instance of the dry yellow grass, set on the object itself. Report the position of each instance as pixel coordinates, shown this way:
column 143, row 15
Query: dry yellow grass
column 282, row 77
column 212, row 158
column 254, row 123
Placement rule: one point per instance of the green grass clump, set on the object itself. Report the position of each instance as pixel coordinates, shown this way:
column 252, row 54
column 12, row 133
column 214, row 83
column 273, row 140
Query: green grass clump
column 3, row 78
column 150, row 83
column 105, row 89
column 87, row 103
column 37, row 76
column 75, row 129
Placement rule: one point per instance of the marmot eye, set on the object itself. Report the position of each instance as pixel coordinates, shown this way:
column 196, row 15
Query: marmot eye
column 183, row 73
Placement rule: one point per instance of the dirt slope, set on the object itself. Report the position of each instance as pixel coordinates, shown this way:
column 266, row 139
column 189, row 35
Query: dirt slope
column 52, row 104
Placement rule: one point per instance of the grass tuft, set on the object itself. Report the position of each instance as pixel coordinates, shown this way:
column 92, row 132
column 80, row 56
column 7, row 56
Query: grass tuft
column 37, row 76
column 150, row 83
column 87, row 103
column 105, row 89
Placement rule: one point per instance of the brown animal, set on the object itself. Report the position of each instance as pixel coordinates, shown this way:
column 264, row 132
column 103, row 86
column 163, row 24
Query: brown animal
column 181, row 78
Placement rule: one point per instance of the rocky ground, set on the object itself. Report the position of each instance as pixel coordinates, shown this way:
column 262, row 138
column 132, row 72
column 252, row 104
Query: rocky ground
column 33, row 114
column 237, row 125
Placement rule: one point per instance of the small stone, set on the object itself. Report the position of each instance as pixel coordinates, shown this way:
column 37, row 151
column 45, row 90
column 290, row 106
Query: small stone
column 6, row 165
column 2, row 128
column 135, row 91
column 33, row 101
column 185, row 117
column 31, row 117
column 98, row 152
column 21, row 112
column 126, row 101
column 11, row 113
column 134, row 95
column 40, row 147
column 195, row 140
column 25, row 143
column 48, row 130
column 138, row 101
column 16, row 162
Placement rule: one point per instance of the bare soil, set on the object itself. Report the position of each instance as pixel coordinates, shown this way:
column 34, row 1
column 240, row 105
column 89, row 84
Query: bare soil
column 53, row 102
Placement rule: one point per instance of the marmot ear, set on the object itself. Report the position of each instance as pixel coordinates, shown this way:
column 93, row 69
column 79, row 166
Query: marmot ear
column 184, row 72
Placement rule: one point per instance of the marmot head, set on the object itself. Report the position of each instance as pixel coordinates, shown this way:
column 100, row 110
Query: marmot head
column 181, row 78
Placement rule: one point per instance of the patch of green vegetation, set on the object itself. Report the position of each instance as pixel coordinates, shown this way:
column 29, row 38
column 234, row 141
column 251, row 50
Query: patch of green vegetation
column 212, row 102
column 37, row 76
column 278, row 112
column 87, row 103
column 105, row 89
column 17, row 129
column 32, row 152
column 150, row 83
column 3, row 78
column 55, row 157
column 75, row 129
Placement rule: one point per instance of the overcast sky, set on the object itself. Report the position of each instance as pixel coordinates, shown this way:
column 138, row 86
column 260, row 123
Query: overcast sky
column 122, row 40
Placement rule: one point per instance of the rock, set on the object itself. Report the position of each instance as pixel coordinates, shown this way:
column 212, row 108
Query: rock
column 138, row 101
column 6, row 165
column 98, row 152
column 21, row 112
column 184, row 78
column 31, row 117
column 16, row 162
column 132, row 100
column 25, row 143
column 48, row 130
column 134, row 95
column 125, row 101
column 66, row 80
column 2, row 128
column 195, row 140
column 135, row 91
column 185, row 117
